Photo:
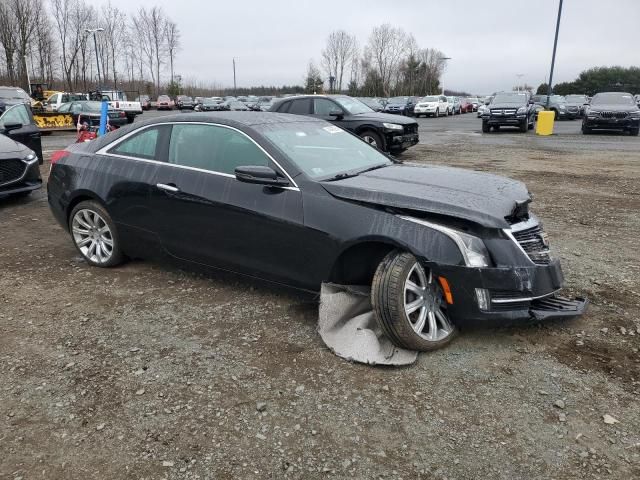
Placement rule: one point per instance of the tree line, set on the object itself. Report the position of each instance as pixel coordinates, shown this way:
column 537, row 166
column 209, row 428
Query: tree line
column 598, row 79
column 47, row 41
column 389, row 63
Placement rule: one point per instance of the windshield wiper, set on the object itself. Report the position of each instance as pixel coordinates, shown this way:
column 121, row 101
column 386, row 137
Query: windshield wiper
column 340, row 176
column 375, row 167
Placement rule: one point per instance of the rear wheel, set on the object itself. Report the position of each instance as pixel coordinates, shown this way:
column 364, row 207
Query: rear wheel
column 486, row 127
column 496, row 128
column 585, row 130
column 634, row 131
column 437, row 112
column 372, row 138
column 94, row 234
column 409, row 304
column 524, row 126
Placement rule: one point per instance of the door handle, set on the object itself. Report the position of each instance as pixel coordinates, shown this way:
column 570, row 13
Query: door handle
column 168, row 188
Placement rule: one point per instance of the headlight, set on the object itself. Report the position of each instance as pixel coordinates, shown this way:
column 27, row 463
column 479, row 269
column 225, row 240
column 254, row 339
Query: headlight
column 635, row 114
column 522, row 110
column 392, row 126
column 30, row 157
column 472, row 248
column 561, row 107
column 593, row 113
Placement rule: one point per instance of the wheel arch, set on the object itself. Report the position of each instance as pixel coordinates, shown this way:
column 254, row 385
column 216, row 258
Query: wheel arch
column 81, row 196
column 375, row 129
column 356, row 264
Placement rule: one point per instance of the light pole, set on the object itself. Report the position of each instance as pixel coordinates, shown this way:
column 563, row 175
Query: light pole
column 443, row 59
column 95, row 45
column 553, row 57
column 519, row 75
column 235, row 88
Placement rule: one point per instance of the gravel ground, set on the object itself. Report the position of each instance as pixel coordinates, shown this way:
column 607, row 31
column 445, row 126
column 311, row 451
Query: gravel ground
column 147, row 371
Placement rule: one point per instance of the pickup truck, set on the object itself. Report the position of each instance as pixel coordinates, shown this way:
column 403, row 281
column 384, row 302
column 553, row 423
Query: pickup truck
column 118, row 101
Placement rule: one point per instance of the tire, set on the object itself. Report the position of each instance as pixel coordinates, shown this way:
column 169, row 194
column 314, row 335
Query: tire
column 409, row 304
column 524, row 126
column 87, row 224
column 486, row 128
column 437, row 114
column 634, row 131
column 555, row 114
column 496, row 128
column 130, row 119
column 372, row 138
column 585, row 130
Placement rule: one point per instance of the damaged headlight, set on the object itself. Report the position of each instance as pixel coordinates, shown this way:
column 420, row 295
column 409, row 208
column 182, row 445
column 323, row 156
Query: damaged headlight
column 472, row 248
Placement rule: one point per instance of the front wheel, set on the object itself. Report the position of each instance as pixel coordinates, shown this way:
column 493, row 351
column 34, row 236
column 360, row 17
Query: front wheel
column 585, row 130
column 485, row 127
column 437, row 112
column 372, row 138
column 94, row 234
column 634, row 131
column 524, row 126
column 409, row 304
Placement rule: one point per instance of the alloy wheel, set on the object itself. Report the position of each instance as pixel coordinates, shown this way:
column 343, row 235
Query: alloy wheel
column 370, row 140
column 92, row 236
column 423, row 305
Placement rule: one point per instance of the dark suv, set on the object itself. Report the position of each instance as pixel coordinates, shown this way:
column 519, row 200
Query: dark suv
column 509, row 109
column 387, row 132
column 559, row 106
column 401, row 105
column 612, row 111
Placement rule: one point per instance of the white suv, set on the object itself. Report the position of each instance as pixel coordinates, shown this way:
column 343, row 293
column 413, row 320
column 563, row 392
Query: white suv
column 433, row 105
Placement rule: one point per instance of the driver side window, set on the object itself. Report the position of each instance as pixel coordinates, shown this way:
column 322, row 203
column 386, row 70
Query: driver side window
column 323, row 107
column 15, row 114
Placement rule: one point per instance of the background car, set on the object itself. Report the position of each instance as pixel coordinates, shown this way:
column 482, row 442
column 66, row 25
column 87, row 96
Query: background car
column 145, row 101
column 234, row 105
column 432, row 106
column 559, row 106
column 465, row 105
column 184, row 102
column 612, row 111
column 210, row 104
column 475, row 103
column 456, row 107
column 89, row 112
column 578, row 101
column 401, row 105
column 19, row 169
column 164, row 102
column 386, row 132
column 509, row 109
column 16, row 122
column 372, row 103
column 13, row 96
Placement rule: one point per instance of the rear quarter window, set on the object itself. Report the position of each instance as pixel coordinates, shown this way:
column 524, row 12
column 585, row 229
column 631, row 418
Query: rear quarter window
column 143, row 144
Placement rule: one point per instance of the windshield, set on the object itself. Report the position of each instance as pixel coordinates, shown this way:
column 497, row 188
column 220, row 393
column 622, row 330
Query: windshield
column 352, row 105
column 518, row 98
column 322, row 150
column 399, row 100
column 430, row 98
column 612, row 99
column 575, row 98
column 92, row 106
column 473, row 100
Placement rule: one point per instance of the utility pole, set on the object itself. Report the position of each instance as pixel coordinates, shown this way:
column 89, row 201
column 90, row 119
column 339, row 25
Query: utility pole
column 235, row 88
column 519, row 75
column 444, row 59
column 95, row 45
column 553, row 57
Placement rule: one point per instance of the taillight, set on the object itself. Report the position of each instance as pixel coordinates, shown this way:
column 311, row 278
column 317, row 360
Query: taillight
column 59, row 155
column 117, row 104
column 122, row 114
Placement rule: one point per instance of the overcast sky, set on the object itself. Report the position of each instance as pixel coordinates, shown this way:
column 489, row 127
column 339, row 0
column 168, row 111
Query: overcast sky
column 489, row 41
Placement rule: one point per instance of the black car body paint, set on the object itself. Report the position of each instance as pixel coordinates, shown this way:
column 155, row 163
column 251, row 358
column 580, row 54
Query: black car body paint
column 314, row 231
column 19, row 170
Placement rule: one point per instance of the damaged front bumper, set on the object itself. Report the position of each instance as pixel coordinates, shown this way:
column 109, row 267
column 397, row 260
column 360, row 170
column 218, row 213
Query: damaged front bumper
column 508, row 293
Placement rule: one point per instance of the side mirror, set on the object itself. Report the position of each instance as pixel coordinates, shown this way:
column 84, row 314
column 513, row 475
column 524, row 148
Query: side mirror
column 260, row 175
column 531, row 102
column 9, row 127
column 336, row 113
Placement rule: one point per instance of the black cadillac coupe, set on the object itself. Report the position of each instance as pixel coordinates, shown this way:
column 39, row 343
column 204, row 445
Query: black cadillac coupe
column 299, row 201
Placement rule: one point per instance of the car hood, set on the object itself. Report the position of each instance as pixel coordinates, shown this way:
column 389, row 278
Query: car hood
column 505, row 105
column 614, row 107
column 9, row 147
column 384, row 117
column 478, row 197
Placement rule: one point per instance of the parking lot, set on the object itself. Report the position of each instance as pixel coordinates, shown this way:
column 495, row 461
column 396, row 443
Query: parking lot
column 148, row 371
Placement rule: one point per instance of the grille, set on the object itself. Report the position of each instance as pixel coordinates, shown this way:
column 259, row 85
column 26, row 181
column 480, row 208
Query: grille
column 11, row 170
column 572, row 109
column 534, row 242
column 508, row 295
column 613, row 114
column 503, row 111
column 409, row 129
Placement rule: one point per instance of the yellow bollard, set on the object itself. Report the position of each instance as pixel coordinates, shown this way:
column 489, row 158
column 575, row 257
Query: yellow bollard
column 544, row 125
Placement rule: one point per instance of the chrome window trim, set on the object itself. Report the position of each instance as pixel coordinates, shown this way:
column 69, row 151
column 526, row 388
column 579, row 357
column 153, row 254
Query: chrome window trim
column 115, row 143
column 523, row 299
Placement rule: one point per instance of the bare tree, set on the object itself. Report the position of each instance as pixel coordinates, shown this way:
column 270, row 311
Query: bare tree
column 8, row 38
column 432, row 67
column 172, row 37
column 340, row 51
column 150, row 25
column 112, row 20
column 387, row 46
